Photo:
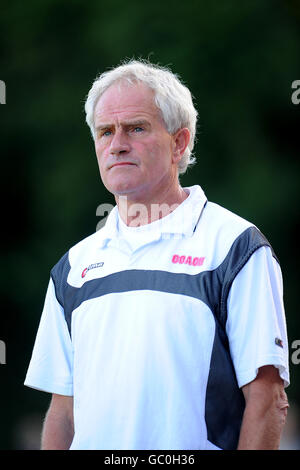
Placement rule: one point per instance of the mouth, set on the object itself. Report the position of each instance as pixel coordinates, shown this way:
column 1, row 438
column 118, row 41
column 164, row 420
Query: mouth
column 121, row 164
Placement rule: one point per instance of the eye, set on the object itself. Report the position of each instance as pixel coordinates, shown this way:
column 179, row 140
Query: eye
column 138, row 129
column 103, row 133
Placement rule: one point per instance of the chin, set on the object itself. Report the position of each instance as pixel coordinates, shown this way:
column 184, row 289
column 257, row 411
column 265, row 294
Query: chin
column 122, row 188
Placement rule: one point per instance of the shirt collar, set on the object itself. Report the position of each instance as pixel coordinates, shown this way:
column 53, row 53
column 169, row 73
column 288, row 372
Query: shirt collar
column 181, row 222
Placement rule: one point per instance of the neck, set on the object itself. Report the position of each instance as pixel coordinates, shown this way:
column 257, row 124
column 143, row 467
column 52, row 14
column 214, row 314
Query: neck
column 141, row 211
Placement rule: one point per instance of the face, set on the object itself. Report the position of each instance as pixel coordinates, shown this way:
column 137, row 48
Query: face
column 136, row 155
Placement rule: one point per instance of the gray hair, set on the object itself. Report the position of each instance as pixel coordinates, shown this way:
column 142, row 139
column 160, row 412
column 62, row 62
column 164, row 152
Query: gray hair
column 171, row 96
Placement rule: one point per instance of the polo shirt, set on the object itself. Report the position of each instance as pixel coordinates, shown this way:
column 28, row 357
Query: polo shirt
column 154, row 330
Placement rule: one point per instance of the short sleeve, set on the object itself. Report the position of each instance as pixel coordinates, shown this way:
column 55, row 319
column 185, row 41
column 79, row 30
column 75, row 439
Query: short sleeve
column 51, row 364
column 256, row 324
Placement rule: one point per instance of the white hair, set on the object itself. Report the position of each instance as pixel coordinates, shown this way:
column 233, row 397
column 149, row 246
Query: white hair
column 171, row 96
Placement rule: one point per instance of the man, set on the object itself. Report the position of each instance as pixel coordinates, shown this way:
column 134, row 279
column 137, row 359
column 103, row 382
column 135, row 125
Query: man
column 165, row 329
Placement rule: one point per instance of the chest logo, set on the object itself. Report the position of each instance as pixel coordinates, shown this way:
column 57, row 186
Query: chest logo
column 91, row 266
column 192, row 261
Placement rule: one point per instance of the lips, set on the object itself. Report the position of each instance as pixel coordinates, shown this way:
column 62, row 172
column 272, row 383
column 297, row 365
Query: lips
column 121, row 164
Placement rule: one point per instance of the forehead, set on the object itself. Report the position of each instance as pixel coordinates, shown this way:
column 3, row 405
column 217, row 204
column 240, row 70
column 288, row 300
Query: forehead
column 122, row 100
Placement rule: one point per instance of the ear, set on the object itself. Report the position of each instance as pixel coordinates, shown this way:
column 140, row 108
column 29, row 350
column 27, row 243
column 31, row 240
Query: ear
column 181, row 140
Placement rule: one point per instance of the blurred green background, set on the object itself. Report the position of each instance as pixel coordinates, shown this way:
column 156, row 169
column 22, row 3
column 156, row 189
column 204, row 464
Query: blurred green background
column 238, row 58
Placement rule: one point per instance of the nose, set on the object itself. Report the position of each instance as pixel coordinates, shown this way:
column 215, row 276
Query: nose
column 119, row 143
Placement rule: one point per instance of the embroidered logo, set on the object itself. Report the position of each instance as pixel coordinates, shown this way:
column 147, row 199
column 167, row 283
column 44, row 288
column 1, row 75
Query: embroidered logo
column 279, row 342
column 91, row 266
column 192, row 261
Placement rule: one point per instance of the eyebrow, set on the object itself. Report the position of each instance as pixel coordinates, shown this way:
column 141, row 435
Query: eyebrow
column 129, row 123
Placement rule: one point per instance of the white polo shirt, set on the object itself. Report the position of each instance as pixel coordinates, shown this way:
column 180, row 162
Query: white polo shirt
column 155, row 329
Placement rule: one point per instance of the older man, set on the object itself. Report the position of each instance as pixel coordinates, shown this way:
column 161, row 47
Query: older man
column 166, row 328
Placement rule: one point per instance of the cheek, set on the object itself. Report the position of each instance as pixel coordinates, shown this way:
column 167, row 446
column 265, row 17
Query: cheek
column 160, row 155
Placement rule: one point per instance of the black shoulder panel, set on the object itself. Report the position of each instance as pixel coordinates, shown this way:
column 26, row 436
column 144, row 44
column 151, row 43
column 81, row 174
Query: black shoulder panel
column 59, row 275
column 242, row 249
